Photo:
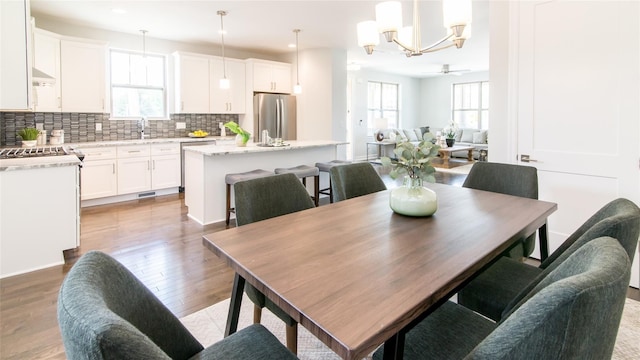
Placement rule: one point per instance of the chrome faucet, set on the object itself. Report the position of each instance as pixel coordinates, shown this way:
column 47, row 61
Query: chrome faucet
column 141, row 124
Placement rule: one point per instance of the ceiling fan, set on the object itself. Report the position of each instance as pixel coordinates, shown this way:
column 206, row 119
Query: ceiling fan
column 448, row 71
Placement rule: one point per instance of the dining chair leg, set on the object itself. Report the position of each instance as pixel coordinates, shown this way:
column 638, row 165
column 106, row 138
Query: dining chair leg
column 257, row 314
column 292, row 338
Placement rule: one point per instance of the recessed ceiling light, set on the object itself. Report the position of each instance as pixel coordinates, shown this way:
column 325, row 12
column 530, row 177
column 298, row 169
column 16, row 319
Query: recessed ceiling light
column 293, row 46
column 118, row 11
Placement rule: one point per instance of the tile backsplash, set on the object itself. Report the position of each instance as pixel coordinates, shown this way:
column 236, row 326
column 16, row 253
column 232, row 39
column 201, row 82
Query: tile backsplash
column 81, row 127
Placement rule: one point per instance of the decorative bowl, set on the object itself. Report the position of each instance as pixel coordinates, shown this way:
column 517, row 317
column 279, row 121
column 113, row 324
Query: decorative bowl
column 29, row 143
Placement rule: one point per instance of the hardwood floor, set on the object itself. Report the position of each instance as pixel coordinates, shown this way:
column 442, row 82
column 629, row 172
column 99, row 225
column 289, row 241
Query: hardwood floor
column 154, row 239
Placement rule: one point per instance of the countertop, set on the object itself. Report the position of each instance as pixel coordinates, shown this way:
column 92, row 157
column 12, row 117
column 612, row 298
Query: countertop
column 232, row 149
column 38, row 162
column 94, row 144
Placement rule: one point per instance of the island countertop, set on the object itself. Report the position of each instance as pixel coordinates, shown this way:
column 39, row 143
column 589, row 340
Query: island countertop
column 232, row 149
column 206, row 167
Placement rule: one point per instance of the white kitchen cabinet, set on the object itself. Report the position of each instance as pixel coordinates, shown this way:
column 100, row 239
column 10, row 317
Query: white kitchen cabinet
column 134, row 169
column 165, row 166
column 15, row 55
column 271, row 76
column 99, row 173
column 83, row 76
column 192, row 83
column 46, row 58
column 232, row 100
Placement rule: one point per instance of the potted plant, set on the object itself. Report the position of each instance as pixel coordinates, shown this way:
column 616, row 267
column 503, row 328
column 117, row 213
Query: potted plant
column 450, row 133
column 414, row 162
column 242, row 136
column 29, row 136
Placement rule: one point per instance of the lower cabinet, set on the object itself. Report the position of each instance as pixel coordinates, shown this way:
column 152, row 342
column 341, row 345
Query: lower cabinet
column 129, row 169
column 99, row 173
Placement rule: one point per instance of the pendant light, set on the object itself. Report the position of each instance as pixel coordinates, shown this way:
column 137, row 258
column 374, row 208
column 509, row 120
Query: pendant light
column 297, row 89
column 224, row 82
column 144, row 47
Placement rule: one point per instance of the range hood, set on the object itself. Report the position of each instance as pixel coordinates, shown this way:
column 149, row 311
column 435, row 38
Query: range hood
column 40, row 78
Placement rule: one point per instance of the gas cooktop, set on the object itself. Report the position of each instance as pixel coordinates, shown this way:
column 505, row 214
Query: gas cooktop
column 38, row 151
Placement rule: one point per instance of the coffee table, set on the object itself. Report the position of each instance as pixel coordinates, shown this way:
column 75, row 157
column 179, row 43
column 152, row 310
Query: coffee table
column 445, row 153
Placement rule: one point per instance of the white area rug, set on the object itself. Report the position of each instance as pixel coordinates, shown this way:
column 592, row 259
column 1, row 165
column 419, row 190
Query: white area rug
column 463, row 169
column 207, row 326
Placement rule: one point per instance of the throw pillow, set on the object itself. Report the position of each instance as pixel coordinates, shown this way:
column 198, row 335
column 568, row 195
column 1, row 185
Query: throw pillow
column 424, row 130
column 467, row 135
column 418, row 133
column 477, row 138
column 410, row 135
column 458, row 135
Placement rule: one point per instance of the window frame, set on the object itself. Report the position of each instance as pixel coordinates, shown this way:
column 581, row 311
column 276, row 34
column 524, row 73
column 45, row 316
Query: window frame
column 479, row 109
column 164, row 87
column 380, row 109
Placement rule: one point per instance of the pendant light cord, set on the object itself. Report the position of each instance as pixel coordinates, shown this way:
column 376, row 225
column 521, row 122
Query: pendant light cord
column 222, row 13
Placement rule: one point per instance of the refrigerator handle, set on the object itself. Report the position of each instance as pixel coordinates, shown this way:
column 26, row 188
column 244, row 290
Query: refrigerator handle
column 278, row 118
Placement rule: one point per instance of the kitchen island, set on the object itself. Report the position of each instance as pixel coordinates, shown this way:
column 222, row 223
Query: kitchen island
column 206, row 167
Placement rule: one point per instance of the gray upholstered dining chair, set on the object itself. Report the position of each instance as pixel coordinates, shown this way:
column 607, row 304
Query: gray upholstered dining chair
column 261, row 199
column 105, row 312
column 507, row 179
column 496, row 290
column 573, row 313
column 352, row 180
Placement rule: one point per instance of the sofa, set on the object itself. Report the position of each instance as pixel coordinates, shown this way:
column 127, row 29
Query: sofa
column 464, row 137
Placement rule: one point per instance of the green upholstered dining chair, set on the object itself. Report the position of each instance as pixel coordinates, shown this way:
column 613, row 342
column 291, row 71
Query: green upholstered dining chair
column 261, row 199
column 573, row 313
column 105, row 312
column 352, row 180
column 502, row 285
column 507, row 179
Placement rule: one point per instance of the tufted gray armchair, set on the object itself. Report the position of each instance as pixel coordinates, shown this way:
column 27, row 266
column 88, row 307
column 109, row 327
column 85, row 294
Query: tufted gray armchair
column 352, row 180
column 573, row 313
column 502, row 285
column 105, row 312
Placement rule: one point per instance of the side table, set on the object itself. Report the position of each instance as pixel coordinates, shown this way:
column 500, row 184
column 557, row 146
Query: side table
column 380, row 145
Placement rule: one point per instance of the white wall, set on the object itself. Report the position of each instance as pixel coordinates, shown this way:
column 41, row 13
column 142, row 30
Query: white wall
column 435, row 103
column 410, row 95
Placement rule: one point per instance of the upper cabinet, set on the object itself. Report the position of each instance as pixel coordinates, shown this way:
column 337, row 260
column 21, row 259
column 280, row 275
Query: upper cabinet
column 197, row 79
column 271, row 76
column 231, row 100
column 46, row 58
column 192, row 83
column 83, row 76
column 15, row 55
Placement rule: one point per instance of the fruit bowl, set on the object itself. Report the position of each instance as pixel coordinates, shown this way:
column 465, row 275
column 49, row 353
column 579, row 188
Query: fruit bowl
column 198, row 134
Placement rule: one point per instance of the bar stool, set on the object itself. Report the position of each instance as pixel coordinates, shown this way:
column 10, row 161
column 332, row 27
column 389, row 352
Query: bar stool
column 325, row 167
column 231, row 179
column 303, row 172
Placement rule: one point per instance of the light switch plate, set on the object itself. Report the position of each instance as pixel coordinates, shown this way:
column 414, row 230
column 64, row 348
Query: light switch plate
column 98, row 126
column 181, row 125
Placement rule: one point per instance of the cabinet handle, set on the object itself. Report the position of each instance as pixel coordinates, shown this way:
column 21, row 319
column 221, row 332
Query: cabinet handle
column 59, row 102
column 182, row 106
column 133, row 151
column 148, row 164
column 154, row 164
column 113, row 167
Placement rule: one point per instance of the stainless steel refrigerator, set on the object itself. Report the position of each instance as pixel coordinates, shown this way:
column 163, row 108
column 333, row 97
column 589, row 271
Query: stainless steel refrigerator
column 276, row 113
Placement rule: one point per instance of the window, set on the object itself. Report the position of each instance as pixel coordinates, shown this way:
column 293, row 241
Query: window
column 471, row 105
column 382, row 103
column 138, row 85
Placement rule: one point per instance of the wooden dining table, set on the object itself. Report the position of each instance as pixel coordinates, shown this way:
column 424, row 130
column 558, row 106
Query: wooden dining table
column 357, row 275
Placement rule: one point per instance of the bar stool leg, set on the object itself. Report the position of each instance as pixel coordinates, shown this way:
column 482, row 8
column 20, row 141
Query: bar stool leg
column 228, row 203
column 316, row 189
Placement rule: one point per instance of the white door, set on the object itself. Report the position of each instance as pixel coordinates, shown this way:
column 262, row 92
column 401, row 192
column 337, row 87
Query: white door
column 577, row 72
column 134, row 175
column 83, row 76
column 165, row 171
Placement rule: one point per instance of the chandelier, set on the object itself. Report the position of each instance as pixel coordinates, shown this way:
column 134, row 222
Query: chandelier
column 457, row 21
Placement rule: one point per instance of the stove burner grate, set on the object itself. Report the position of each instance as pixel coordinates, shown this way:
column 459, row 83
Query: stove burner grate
column 39, row 151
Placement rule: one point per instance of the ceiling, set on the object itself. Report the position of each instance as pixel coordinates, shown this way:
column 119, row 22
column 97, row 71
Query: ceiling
column 268, row 26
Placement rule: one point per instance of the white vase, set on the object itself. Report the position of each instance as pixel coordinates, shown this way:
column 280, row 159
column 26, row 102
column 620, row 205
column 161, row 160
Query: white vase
column 240, row 141
column 413, row 199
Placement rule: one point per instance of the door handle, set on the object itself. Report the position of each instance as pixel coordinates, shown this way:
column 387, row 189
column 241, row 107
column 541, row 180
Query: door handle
column 526, row 158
